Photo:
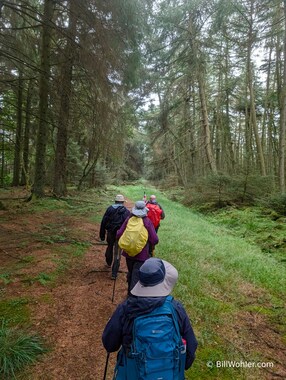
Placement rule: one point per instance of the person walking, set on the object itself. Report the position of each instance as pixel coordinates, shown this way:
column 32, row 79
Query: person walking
column 151, row 294
column 139, row 211
column 152, row 204
column 112, row 220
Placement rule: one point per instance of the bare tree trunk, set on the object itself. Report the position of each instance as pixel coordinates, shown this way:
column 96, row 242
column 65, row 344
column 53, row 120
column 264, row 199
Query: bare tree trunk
column 283, row 114
column 228, row 139
column 2, row 157
column 206, row 128
column 25, row 168
column 18, row 142
column 254, row 125
column 198, row 66
column 252, row 110
column 39, row 182
column 266, row 120
column 60, row 174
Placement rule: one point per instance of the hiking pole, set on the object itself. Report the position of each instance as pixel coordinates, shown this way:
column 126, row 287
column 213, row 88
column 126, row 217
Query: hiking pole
column 117, row 257
column 145, row 197
column 106, row 365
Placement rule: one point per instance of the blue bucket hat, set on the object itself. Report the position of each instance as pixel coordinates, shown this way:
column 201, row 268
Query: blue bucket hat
column 139, row 209
column 157, row 278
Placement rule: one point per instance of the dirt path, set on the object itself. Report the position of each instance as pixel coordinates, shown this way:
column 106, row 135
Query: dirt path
column 70, row 315
column 74, row 321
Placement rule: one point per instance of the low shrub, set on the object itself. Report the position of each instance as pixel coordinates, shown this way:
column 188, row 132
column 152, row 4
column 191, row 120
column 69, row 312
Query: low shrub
column 278, row 204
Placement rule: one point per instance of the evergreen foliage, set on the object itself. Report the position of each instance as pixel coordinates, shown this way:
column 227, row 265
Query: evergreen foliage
column 202, row 83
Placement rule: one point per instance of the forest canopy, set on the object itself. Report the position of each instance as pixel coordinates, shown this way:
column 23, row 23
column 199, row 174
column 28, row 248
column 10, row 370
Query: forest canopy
column 175, row 91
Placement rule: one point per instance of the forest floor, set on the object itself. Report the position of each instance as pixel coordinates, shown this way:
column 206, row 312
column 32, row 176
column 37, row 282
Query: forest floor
column 71, row 313
column 53, row 265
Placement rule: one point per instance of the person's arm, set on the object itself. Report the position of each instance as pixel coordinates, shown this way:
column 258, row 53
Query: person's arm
column 163, row 212
column 112, row 334
column 122, row 228
column 187, row 333
column 103, row 224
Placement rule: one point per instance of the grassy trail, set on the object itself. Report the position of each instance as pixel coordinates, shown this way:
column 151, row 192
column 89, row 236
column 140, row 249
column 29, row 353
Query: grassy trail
column 234, row 294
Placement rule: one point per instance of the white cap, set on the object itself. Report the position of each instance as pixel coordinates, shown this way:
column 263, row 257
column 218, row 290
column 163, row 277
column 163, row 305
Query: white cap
column 119, row 198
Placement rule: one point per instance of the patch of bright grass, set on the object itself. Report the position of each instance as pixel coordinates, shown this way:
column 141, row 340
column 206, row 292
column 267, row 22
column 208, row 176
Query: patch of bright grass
column 17, row 350
column 44, row 278
column 15, row 310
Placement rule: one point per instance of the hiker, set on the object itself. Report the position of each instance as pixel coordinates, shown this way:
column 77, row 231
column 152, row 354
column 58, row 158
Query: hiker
column 143, row 238
column 112, row 220
column 155, row 214
column 159, row 215
column 151, row 294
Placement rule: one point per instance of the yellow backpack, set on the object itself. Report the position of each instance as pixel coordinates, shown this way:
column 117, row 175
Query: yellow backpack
column 135, row 236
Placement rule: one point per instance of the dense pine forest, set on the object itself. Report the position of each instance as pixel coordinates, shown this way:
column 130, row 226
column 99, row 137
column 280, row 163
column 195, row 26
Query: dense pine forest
column 187, row 93
column 185, row 99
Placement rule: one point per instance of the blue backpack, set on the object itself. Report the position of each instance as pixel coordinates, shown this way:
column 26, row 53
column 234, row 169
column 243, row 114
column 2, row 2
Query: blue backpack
column 157, row 351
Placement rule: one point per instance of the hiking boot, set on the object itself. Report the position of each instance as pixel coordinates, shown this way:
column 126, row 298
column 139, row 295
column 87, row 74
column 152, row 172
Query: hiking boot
column 113, row 277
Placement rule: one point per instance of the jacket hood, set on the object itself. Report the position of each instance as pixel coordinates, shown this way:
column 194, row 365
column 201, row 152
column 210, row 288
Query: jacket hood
column 118, row 206
column 136, row 306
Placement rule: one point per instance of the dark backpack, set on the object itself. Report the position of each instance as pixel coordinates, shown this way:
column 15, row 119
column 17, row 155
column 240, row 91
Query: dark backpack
column 154, row 214
column 116, row 219
column 157, row 350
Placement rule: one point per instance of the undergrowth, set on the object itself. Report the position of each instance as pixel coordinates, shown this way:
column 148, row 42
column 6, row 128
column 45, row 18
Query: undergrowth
column 17, row 350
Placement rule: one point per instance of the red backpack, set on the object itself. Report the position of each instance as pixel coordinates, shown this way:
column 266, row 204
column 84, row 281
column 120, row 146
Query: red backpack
column 154, row 214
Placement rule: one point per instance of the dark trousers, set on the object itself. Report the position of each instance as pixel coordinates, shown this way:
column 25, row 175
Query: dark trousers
column 112, row 254
column 133, row 267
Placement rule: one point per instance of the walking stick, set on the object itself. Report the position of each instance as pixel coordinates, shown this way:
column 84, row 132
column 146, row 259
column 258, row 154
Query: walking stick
column 106, row 365
column 117, row 257
column 145, row 197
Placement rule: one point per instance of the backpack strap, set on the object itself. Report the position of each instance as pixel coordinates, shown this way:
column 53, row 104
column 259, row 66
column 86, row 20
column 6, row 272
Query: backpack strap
column 169, row 300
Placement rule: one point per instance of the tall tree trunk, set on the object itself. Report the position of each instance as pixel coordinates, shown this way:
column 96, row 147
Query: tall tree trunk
column 252, row 108
column 2, row 157
column 42, row 136
column 25, row 168
column 283, row 114
column 60, row 174
column 205, row 123
column 228, row 140
column 198, row 65
column 18, row 142
column 266, row 119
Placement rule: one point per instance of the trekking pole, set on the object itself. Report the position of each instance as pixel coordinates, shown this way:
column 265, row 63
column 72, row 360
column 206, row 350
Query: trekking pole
column 117, row 257
column 106, row 365
column 144, row 197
